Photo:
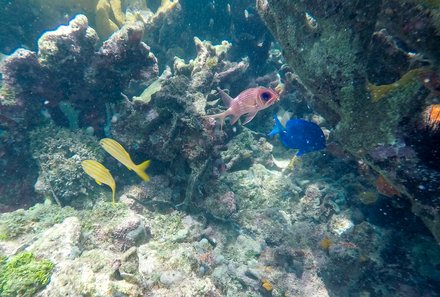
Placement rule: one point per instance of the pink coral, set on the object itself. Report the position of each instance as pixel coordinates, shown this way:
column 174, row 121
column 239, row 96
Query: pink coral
column 229, row 202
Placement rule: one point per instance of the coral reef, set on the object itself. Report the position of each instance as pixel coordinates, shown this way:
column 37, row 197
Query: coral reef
column 71, row 82
column 67, row 68
column 175, row 132
column 268, row 241
column 227, row 211
column 58, row 153
column 368, row 81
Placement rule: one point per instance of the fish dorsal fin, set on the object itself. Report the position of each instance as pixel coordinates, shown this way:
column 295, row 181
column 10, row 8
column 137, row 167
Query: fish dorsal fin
column 225, row 97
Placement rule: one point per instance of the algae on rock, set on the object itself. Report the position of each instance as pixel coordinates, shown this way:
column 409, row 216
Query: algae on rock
column 24, row 275
column 59, row 153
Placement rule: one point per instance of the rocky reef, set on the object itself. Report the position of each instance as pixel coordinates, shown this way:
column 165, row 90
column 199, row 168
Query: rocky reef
column 372, row 75
column 317, row 238
column 71, row 82
column 227, row 211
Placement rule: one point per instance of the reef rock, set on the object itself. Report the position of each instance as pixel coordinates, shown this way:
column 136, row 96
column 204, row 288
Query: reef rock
column 333, row 47
column 59, row 153
column 174, row 131
column 70, row 69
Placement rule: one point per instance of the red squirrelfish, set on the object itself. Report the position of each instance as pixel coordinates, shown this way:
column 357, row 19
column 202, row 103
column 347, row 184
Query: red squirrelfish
column 248, row 102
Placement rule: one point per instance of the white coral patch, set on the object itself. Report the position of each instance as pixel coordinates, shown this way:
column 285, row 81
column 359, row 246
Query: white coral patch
column 340, row 224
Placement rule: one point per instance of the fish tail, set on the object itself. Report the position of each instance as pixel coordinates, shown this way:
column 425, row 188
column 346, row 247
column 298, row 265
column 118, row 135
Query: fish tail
column 278, row 128
column 141, row 170
column 221, row 116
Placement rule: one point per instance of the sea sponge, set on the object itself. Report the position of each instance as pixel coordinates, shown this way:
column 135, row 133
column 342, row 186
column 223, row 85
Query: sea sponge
column 368, row 197
column 379, row 92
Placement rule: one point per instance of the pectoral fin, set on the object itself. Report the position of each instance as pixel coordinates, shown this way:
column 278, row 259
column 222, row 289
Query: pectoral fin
column 300, row 153
column 249, row 117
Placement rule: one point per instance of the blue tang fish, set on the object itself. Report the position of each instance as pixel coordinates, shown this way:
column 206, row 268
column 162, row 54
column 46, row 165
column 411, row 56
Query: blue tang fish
column 300, row 134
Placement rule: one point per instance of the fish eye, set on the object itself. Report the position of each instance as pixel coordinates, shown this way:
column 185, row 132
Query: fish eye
column 265, row 96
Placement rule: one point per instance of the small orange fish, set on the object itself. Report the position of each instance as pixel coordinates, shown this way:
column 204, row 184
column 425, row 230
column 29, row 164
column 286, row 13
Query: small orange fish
column 432, row 116
column 248, row 102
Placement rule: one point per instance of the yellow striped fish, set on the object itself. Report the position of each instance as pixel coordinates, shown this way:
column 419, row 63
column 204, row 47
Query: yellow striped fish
column 101, row 174
column 119, row 153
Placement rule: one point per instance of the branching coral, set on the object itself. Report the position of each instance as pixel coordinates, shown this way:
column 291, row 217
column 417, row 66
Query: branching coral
column 108, row 17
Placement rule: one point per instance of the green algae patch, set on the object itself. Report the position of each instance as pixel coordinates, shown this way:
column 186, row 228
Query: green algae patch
column 24, row 275
column 32, row 221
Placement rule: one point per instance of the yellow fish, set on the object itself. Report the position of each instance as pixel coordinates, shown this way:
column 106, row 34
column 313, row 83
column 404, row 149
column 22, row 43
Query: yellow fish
column 101, row 174
column 119, row 153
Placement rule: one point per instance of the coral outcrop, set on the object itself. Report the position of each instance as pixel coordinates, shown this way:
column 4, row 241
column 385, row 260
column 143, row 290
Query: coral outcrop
column 58, row 153
column 71, row 82
column 171, row 122
column 367, row 84
column 67, row 68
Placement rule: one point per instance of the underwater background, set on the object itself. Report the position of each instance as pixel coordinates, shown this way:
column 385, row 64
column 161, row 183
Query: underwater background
column 251, row 148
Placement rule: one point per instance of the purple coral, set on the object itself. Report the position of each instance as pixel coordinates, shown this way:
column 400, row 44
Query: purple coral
column 229, row 202
column 384, row 152
column 122, row 61
column 67, row 67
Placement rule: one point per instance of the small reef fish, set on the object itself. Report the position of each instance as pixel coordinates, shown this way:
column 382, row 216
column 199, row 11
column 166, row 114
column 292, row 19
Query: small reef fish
column 432, row 117
column 248, row 102
column 101, row 175
column 300, row 134
column 119, row 153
